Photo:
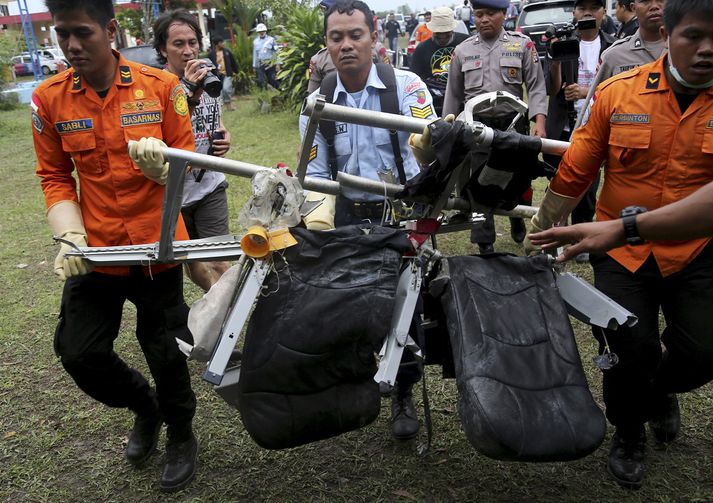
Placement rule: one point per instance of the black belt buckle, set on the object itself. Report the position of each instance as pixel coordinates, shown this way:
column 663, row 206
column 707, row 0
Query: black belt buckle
column 368, row 210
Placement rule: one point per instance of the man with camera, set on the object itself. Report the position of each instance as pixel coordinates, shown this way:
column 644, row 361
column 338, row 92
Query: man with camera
column 205, row 206
column 653, row 127
column 497, row 60
column 644, row 46
column 568, row 78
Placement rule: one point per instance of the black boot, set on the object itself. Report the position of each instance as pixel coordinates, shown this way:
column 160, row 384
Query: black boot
column 144, row 437
column 666, row 419
column 404, row 420
column 626, row 457
column 181, row 458
column 517, row 229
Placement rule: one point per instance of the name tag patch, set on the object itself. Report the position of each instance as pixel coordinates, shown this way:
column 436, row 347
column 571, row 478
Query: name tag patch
column 139, row 118
column 710, row 124
column 630, row 119
column 74, row 126
column 340, row 128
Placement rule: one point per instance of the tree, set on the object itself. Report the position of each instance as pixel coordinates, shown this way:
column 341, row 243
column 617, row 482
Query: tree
column 131, row 21
column 404, row 9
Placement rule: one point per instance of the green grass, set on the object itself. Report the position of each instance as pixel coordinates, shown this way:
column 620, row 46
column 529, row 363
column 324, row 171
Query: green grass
column 58, row 445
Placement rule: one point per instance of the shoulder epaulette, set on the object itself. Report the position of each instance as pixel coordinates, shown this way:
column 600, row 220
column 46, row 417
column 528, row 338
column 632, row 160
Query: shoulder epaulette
column 621, row 76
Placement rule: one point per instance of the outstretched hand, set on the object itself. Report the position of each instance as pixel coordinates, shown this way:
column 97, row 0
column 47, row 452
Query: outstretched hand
column 588, row 237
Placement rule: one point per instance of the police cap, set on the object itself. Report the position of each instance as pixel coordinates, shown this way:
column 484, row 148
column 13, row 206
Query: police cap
column 490, row 4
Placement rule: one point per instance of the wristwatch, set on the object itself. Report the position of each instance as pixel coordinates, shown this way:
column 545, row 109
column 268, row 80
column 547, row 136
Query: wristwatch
column 631, row 231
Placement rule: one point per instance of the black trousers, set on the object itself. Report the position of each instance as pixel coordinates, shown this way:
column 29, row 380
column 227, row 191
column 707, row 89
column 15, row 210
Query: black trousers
column 267, row 74
column 644, row 371
column 89, row 323
column 409, row 371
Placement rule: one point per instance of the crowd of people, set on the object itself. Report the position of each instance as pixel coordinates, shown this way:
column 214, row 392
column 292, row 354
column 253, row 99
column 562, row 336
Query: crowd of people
column 640, row 108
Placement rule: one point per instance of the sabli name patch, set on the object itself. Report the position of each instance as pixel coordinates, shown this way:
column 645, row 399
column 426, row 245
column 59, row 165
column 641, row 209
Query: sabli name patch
column 140, row 118
column 74, row 126
column 629, row 119
column 421, row 113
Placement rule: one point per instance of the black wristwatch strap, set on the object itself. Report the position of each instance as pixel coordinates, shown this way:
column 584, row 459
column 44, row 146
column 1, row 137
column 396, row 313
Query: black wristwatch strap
column 631, row 231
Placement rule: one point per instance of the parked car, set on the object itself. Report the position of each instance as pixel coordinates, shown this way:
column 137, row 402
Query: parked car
column 142, row 54
column 536, row 17
column 22, row 64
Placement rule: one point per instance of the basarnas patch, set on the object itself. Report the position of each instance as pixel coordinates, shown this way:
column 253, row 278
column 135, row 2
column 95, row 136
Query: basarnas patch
column 421, row 112
column 140, row 118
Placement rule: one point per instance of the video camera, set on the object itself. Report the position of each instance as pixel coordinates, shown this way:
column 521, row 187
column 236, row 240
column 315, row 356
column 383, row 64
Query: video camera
column 566, row 47
column 213, row 81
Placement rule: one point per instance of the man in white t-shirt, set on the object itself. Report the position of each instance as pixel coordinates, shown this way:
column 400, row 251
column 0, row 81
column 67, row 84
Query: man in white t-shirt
column 568, row 82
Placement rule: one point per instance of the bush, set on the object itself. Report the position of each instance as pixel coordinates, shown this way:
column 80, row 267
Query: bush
column 243, row 53
column 9, row 101
column 304, row 34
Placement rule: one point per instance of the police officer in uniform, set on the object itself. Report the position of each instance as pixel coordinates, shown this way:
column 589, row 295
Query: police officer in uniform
column 497, row 60
column 643, row 47
column 367, row 152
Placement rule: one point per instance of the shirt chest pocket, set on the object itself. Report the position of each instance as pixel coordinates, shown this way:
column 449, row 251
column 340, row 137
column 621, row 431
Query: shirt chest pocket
column 511, row 70
column 472, row 74
column 382, row 140
column 629, row 145
column 342, row 144
column 138, row 131
column 707, row 147
column 82, row 146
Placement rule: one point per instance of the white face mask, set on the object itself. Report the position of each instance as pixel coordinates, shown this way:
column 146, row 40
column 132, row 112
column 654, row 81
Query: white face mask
column 679, row 78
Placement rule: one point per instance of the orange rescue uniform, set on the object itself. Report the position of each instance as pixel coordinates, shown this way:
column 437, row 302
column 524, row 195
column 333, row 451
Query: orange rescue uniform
column 654, row 156
column 423, row 33
column 74, row 128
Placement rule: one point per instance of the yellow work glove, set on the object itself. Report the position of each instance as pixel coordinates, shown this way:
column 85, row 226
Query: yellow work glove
column 322, row 218
column 65, row 219
column 421, row 144
column 147, row 153
column 553, row 209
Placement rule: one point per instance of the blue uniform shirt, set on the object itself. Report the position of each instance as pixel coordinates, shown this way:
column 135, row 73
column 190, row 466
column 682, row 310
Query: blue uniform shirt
column 263, row 50
column 366, row 151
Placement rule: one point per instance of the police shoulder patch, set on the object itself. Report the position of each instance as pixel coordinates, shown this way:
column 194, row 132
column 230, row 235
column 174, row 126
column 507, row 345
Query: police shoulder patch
column 421, row 112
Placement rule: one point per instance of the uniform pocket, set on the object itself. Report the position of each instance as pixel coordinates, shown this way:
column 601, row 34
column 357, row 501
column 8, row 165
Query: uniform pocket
column 473, row 74
column 629, row 145
column 707, row 146
column 81, row 147
column 143, row 131
column 342, row 145
column 511, row 70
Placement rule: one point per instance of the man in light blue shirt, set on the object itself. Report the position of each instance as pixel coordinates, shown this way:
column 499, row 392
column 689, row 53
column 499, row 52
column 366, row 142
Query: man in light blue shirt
column 367, row 151
column 264, row 53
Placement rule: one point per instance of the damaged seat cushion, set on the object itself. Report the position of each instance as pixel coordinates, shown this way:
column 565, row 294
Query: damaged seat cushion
column 308, row 361
column 522, row 391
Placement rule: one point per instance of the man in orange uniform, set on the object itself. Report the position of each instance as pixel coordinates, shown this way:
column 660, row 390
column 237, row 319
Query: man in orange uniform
column 82, row 119
column 653, row 126
column 423, row 32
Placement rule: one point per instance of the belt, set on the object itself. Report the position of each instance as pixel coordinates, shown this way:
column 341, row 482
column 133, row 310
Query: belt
column 370, row 210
